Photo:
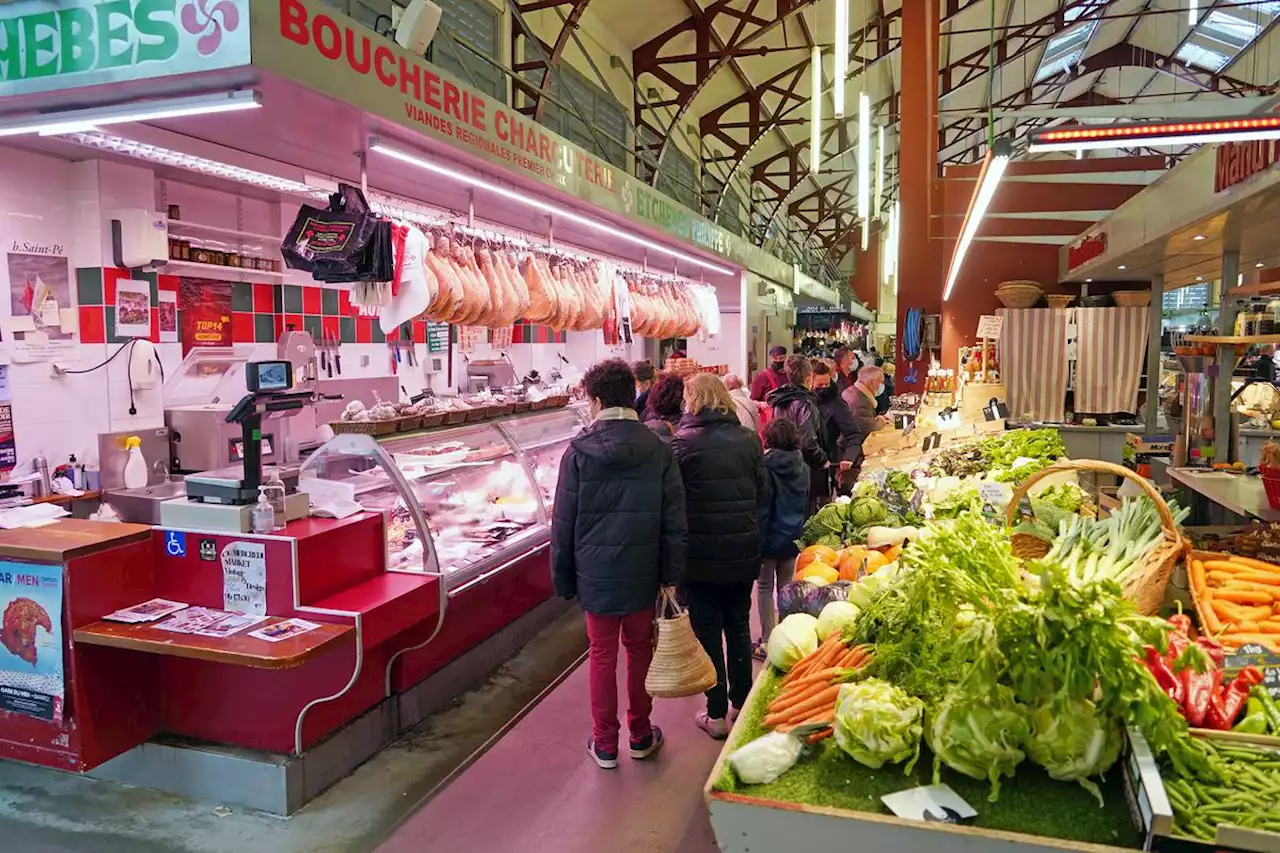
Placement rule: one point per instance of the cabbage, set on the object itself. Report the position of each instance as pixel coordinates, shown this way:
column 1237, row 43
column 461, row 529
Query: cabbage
column 868, row 510
column 877, row 723
column 836, row 616
column 1073, row 741
column 766, row 758
column 801, row 597
column 978, row 731
column 794, row 638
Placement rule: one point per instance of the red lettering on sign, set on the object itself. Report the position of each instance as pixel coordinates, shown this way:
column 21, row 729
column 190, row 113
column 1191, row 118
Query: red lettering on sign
column 1238, row 161
column 451, row 95
column 1093, row 246
column 407, row 77
column 293, row 21
column 432, row 96
column 328, row 39
column 361, row 65
column 382, row 57
column 500, row 125
column 477, row 112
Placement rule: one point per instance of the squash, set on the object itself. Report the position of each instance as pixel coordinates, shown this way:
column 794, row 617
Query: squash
column 886, row 537
column 892, row 554
column 875, row 560
column 817, row 552
column 818, row 571
column 851, row 562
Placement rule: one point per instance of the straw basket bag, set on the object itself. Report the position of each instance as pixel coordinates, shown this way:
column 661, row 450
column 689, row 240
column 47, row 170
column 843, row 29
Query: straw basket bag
column 1145, row 585
column 680, row 665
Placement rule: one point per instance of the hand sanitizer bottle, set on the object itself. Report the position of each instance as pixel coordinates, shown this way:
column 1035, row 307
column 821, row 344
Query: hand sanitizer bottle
column 263, row 517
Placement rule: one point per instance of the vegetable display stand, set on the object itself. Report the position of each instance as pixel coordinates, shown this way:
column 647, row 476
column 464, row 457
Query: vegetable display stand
column 753, row 819
column 1235, row 598
column 1145, row 585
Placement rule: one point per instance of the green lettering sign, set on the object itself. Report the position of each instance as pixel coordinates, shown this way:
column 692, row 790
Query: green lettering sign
column 39, row 32
column 78, row 52
column 113, row 30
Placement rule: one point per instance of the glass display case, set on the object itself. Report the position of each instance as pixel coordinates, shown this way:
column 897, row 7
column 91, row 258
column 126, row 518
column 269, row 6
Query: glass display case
column 483, row 490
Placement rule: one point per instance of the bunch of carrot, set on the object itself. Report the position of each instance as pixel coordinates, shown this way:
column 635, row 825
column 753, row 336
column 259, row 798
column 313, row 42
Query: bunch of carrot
column 1239, row 598
column 809, row 690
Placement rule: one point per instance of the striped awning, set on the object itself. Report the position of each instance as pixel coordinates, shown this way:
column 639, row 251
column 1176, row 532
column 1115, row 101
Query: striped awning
column 1033, row 362
column 1111, row 344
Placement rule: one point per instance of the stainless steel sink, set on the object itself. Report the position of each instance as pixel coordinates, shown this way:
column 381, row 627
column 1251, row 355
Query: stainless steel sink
column 142, row 506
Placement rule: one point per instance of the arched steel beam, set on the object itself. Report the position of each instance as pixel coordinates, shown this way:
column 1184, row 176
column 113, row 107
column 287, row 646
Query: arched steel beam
column 554, row 57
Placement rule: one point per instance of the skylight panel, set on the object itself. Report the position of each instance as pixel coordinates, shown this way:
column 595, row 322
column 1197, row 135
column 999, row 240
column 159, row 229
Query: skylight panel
column 1202, row 57
column 1228, row 29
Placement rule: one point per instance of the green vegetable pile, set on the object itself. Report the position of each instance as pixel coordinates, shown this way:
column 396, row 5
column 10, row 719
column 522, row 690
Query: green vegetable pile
column 999, row 452
column 845, row 522
column 957, row 502
column 1248, row 794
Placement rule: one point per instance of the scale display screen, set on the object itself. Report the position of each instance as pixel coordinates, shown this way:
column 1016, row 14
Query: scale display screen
column 269, row 376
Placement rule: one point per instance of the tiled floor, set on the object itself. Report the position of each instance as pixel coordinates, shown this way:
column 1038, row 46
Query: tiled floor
column 537, row 790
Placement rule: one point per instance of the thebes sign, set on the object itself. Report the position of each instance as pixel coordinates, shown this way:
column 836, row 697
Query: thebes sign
column 45, row 46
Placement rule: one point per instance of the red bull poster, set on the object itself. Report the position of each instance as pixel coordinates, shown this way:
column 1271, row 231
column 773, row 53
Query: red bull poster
column 31, row 640
column 204, row 309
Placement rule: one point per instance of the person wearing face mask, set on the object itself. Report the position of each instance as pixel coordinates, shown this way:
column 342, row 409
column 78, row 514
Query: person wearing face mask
column 842, row 441
column 618, row 534
column 846, row 372
column 861, row 402
column 796, row 402
column 768, row 381
column 645, row 377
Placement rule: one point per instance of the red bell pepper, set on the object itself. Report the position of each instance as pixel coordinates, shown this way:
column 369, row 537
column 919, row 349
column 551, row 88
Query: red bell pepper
column 1213, row 648
column 1201, row 689
column 1164, row 675
column 1235, row 695
column 1181, row 624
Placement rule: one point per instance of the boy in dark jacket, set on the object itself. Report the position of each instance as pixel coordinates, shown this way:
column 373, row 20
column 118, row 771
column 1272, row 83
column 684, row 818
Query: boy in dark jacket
column 781, row 519
column 618, row 532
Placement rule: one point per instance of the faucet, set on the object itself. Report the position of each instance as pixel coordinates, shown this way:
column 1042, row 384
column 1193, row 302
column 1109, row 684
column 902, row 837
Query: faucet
column 163, row 468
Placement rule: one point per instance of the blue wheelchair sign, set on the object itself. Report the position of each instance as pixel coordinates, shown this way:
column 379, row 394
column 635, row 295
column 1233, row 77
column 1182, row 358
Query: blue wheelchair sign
column 175, row 544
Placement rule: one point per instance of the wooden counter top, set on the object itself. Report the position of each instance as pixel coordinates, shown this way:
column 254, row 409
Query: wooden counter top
column 238, row 649
column 67, row 538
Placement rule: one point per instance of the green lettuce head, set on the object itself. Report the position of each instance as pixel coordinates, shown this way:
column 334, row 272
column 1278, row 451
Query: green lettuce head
column 1073, row 741
column 978, row 732
column 878, row 723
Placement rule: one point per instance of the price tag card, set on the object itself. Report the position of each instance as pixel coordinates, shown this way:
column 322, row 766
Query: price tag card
column 1253, row 654
column 996, row 494
column 935, row 803
column 948, row 419
column 989, row 326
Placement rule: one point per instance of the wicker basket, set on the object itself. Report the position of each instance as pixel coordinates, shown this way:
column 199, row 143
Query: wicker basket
column 1145, row 585
column 680, row 667
column 558, row 401
column 454, row 417
column 1058, row 300
column 1201, row 605
column 497, row 410
column 364, row 427
column 1019, row 294
column 523, row 406
column 432, row 420
column 410, row 423
column 478, row 413
column 1131, row 298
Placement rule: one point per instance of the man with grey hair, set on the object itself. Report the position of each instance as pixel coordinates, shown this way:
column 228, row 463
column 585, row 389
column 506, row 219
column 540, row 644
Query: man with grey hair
column 748, row 409
column 861, row 400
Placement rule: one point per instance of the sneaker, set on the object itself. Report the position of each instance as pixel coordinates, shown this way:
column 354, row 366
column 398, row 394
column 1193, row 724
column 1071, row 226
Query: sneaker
column 607, row 759
column 714, row 726
column 647, row 746
column 760, row 651
column 733, row 715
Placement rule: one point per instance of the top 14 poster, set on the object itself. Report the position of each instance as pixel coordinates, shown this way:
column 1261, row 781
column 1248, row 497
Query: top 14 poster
column 204, row 309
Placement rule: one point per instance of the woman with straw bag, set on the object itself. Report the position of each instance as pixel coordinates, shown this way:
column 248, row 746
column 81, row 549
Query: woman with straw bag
column 617, row 536
column 722, row 465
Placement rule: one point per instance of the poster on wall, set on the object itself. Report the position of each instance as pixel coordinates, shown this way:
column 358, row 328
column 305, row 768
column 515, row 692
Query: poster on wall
column 42, row 317
column 31, row 640
column 168, row 317
column 133, row 309
column 205, row 309
column 244, row 578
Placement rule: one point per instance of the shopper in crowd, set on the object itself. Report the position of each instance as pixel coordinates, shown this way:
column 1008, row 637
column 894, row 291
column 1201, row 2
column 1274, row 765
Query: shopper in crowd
column 768, row 381
column 882, row 400
column 841, row 438
column 795, row 401
column 664, row 405
column 782, row 518
column 749, row 410
column 861, row 401
column 618, row 532
column 722, row 465
column 846, row 368
column 645, row 377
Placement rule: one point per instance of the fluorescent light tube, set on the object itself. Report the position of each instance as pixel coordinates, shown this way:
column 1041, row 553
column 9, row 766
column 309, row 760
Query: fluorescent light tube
column 1163, row 133
column 527, row 200
column 842, row 56
column 79, row 121
column 879, row 172
column 864, row 158
column 993, row 167
column 815, row 111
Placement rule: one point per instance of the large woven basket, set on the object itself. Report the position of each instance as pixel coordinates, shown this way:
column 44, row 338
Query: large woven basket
column 680, row 667
column 1228, row 640
column 1019, row 294
column 1058, row 300
column 1145, row 585
column 1131, row 298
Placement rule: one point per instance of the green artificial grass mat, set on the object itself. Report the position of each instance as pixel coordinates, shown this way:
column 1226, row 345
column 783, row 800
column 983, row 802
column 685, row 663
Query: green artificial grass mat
column 1030, row 802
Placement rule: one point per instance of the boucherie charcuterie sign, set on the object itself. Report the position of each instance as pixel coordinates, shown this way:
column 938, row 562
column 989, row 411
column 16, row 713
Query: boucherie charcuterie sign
column 1238, row 161
column 45, row 46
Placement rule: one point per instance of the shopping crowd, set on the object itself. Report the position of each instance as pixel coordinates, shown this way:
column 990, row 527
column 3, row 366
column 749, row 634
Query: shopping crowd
column 703, row 486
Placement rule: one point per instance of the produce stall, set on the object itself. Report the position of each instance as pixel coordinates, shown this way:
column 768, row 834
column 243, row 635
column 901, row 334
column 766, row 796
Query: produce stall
column 971, row 622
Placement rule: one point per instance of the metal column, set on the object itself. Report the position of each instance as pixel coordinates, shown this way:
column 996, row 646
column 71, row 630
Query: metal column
column 1155, row 321
column 1226, row 357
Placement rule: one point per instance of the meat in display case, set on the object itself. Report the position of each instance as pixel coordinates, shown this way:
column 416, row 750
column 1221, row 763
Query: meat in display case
column 484, row 500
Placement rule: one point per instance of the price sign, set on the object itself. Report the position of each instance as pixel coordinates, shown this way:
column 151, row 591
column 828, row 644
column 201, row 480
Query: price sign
column 1253, row 654
column 437, row 336
column 989, row 326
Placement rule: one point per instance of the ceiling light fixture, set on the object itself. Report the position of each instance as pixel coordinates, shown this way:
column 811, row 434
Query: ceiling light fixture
column 79, row 121
column 815, row 111
column 864, row 161
column 527, row 200
column 895, row 223
column 993, row 167
column 1259, row 265
column 1088, row 280
column 1123, row 267
column 1198, row 237
column 880, row 172
column 1150, row 133
column 842, row 57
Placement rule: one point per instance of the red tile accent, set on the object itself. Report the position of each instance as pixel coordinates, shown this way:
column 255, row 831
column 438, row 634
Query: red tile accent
column 279, row 322
column 332, row 327
column 312, row 303
column 344, row 302
column 155, row 324
column 294, row 320
column 167, row 282
column 364, row 330
column 110, row 276
column 263, row 299
column 420, row 332
column 242, row 327
column 93, row 325
column 517, row 334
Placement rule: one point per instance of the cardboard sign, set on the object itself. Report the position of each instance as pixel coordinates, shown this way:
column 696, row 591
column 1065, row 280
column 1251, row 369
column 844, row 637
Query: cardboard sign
column 989, row 326
column 1252, row 654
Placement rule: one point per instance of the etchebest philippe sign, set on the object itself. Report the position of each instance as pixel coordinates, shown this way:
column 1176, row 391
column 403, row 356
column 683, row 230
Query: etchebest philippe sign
column 1236, row 162
column 315, row 46
column 46, row 46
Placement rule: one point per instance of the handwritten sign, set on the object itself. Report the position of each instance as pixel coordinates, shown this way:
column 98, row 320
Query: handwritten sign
column 437, row 336
column 989, row 326
column 244, row 578
column 1253, row 654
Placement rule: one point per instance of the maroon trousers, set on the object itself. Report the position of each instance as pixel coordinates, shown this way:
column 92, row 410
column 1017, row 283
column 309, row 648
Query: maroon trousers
column 636, row 630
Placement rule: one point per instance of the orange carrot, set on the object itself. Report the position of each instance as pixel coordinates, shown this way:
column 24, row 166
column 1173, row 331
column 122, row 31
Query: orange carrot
column 798, row 711
column 1270, row 641
column 1258, row 577
column 798, row 697
column 817, row 737
column 1247, row 627
column 1237, row 583
column 1244, row 596
column 853, row 658
column 1229, row 566
column 822, row 675
column 1256, row 564
column 1197, row 575
column 1211, row 623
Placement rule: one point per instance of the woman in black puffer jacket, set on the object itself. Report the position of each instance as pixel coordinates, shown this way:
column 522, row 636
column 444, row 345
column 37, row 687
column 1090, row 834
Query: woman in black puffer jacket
column 722, row 466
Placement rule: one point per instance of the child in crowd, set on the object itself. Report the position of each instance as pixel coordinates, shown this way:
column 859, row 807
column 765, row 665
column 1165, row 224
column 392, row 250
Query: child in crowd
column 782, row 516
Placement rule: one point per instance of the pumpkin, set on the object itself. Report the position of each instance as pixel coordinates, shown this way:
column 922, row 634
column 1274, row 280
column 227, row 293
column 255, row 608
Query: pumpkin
column 875, row 560
column 816, row 552
column 818, row 571
column 851, row 561
column 891, row 554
